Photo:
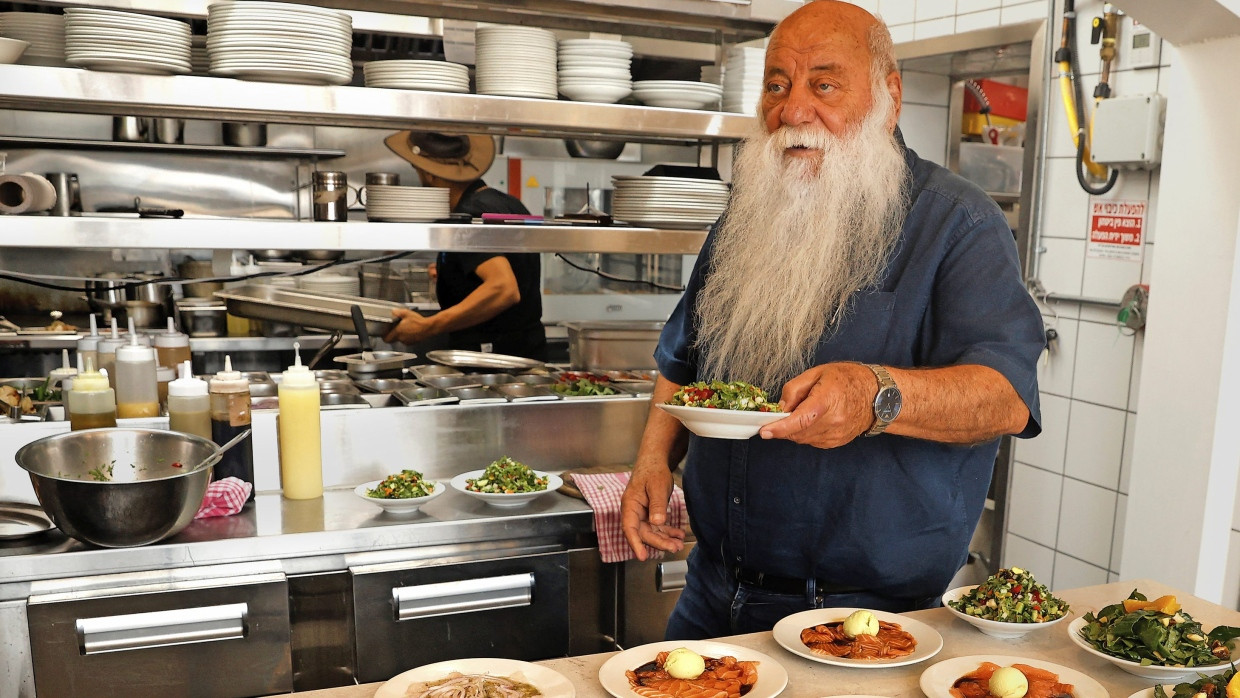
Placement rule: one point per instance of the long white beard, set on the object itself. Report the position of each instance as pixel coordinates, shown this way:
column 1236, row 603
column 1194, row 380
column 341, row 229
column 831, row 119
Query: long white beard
column 795, row 245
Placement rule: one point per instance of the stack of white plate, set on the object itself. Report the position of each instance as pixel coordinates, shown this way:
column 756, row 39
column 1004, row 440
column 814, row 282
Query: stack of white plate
column 515, row 62
column 45, row 34
column 742, row 79
column 387, row 202
column 677, row 94
column 668, row 202
column 125, row 42
column 436, row 76
column 199, row 61
column 280, row 42
column 324, row 282
column 595, row 70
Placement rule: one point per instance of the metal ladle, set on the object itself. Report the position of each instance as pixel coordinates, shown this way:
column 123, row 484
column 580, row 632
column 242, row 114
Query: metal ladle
column 215, row 456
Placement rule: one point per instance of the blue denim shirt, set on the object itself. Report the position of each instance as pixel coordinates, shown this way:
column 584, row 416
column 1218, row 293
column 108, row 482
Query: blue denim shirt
column 890, row 514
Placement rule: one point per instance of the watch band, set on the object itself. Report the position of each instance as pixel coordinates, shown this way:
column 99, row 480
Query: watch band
column 885, row 382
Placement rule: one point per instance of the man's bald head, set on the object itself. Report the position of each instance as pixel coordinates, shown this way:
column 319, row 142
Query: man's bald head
column 815, row 20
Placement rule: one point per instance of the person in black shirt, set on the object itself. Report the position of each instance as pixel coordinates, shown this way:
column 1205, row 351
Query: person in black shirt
column 490, row 302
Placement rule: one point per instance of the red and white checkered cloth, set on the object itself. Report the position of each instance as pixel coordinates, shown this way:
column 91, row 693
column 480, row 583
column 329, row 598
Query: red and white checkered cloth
column 603, row 491
column 224, row 498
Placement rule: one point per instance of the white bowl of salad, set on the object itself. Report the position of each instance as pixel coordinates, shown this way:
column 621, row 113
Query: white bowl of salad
column 506, row 483
column 401, row 493
column 1009, row 604
column 723, row 410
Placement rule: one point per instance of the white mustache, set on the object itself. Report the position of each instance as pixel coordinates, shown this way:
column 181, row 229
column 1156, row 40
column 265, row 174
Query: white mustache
column 804, row 137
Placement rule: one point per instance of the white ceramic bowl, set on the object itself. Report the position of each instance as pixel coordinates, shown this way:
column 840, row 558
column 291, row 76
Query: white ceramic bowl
column 994, row 628
column 12, row 49
column 398, row 506
column 506, row 500
column 722, row 424
column 607, row 94
column 1164, row 674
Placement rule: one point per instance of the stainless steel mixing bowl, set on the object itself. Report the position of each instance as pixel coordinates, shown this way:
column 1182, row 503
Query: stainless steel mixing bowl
column 119, row 487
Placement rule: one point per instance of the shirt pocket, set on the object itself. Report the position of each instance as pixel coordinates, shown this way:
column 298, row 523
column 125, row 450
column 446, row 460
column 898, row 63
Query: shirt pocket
column 862, row 335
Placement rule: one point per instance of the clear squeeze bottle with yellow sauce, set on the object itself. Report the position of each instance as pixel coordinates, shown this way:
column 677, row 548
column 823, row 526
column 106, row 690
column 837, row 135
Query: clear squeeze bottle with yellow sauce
column 300, row 434
column 106, row 354
column 230, row 415
column 137, row 391
column 189, row 406
column 171, row 347
column 91, row 401
column 87, row 347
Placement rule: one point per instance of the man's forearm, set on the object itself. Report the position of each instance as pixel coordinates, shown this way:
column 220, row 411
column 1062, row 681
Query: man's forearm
column 665, row 440
column 957, row 404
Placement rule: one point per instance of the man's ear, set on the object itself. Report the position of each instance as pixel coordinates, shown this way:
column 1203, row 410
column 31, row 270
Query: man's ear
column 895, row 87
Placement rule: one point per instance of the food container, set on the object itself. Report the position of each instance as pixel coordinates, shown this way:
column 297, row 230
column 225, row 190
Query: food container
column 342, row 401
column 634, row 387
column 448, row 382
column 595, row 346
column 493, row 378
column 201, row 317
column 384, row 385
column 521, row 392
column 477, row 396
column 532, row 379
column 331, row 374
column 425, row 396
column 426, row 370
column 635, row 375
column 261, row 384
column 338, row 386
column 198, row 269
column 995, row 168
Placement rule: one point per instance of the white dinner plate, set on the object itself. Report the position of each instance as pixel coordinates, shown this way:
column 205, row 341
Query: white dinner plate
column 1171, row 674
column 787, row 633
column 127, row 65
column 284, row 75
column 722, row 424
column 937, row 679
column 398, row 506
column 772, row 677
column 506, row 500
column 549, row 682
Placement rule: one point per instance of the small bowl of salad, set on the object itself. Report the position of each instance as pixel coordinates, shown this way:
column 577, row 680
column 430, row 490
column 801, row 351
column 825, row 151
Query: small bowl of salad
column 506, row 483
column 723, row 410
column 401, row 493
column 1009, row 604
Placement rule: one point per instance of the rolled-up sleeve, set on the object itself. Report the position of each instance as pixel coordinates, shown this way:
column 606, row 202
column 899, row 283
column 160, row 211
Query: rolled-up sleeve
column 675, row 354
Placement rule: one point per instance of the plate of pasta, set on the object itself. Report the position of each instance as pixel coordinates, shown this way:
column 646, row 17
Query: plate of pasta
column 896, row 640
column 481, row 676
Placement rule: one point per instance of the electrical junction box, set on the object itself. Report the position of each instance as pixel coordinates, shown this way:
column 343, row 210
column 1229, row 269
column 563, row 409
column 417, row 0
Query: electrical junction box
column 1128, row 131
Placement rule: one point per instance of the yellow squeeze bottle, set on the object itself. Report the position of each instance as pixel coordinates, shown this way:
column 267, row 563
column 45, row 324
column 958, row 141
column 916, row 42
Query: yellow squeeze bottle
column 300, row 435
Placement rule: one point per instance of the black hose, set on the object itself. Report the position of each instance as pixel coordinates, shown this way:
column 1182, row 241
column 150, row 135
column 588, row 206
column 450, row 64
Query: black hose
column 1080, row 171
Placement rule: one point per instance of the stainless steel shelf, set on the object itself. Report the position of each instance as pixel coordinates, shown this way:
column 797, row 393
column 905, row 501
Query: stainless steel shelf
column 85, row 232
column 73, row 90
column 180, row 148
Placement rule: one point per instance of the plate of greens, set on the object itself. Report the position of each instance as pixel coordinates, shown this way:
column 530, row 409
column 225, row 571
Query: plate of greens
column 506, row 483
column 1154, row 639
column 1009, row 604
column 1214, row 685
column 723, row 410
column 401, row 493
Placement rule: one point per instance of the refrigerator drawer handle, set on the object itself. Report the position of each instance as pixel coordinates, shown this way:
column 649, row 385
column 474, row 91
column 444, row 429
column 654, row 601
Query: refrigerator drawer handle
column 182, row 626
column 464, row 596
column 671, row 575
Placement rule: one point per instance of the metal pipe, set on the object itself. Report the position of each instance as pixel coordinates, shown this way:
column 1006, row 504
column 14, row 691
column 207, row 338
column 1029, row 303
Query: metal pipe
column 1085, row 300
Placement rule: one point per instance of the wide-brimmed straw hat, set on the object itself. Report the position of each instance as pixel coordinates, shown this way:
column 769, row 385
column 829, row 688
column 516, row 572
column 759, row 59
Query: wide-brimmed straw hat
column 455, row 158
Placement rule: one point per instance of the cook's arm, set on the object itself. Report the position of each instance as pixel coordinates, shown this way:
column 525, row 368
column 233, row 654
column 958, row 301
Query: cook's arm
column 498, row 292
column 643, row 509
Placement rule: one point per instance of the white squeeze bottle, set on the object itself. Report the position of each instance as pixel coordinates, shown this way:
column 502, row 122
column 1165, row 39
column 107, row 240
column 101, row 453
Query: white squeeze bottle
column 189, row 406
column 106, row 353
column 137, row 388
column 86, row 346
column 171, row 347
column 301, row 449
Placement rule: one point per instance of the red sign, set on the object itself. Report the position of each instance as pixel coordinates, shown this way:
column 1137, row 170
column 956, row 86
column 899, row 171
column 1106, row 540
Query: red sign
column 1116, row 229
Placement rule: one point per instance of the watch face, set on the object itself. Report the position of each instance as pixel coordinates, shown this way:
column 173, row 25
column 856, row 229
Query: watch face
column 887, row 404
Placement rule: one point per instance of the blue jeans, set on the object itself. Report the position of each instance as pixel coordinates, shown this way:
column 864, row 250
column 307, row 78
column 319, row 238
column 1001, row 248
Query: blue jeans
column 713, row 604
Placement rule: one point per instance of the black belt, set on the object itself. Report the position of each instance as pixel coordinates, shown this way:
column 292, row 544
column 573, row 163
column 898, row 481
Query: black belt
column 788, row 585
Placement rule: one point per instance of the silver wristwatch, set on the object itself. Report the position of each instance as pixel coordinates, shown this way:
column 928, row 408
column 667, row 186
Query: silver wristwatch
column 887, row 402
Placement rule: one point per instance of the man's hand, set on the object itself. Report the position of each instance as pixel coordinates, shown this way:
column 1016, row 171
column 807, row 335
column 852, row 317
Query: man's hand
column 411, row 327
column 643, row 510
column 829, row 406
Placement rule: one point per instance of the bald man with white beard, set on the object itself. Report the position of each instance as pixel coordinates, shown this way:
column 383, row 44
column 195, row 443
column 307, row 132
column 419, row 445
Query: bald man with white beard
column 881, row 297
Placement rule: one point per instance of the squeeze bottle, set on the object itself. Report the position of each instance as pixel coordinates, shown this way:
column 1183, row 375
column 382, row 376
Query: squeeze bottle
column 106, row 354
column 91, row 402
column 171, row 347
column 189, row 407
column 301, row 450
column 87, row 346
column 58, row 375
column 230, row 415
column 137, row 391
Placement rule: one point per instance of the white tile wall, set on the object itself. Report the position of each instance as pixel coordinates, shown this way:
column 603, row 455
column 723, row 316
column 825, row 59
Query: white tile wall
column 1103, row 365
column 934, row 9
column 870, row 6
column 977, row 20
column 1055, row 371
column 897, row 11
column 926, row 88
column 1063, row 265
column 923, row 128
column 1033, row 510
column 900, row 33
column 1086, row 522
column 1095, row 444
column 1110, row 278
column 1012, row 13
column 1125, row 464
column 1117, row 546
column 964, row 7
column 1138, row 355
column 1071, row 573
column 1046, row 451
column 1231, row 585
column 1037, row 559
column 934, row 27
column 1066, row 212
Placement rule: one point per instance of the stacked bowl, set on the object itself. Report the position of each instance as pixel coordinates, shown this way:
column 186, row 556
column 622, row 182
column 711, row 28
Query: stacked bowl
column 668, row 202
column 515, row 61
column 677, row 94
column 125, row 42
column 280, row 42
column 742, row 79
column 435, row 76
column 323, row 282
column 397, row 204
column 45, row 33
column 595, row 70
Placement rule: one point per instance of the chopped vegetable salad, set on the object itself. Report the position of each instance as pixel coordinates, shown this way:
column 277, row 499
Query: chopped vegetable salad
column 507, row 476
column 1011, row 596
column 407, row 484
column 736, row 395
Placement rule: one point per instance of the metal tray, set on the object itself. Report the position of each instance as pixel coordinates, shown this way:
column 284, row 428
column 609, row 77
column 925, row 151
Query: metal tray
column 459, row 358
column 426, row 396
column 345, row 386
column 493, row 378
column 478, row 396
column 532, row 379
column 446, row 382
column 423, row 370
column 20, row 520
column 341, row 401
column 634, row 387
column 328, row 311
column 384, row 385
column 520, row 392
column 331, row 374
